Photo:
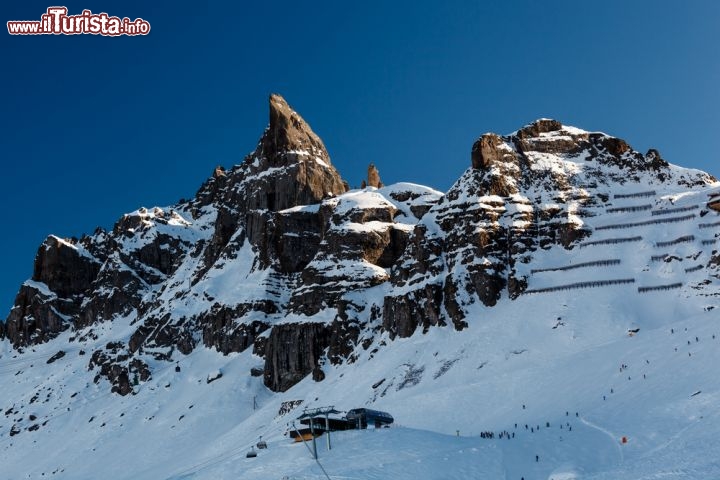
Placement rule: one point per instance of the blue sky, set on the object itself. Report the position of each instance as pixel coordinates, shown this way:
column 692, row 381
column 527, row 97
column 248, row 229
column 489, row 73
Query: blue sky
column 93, row 127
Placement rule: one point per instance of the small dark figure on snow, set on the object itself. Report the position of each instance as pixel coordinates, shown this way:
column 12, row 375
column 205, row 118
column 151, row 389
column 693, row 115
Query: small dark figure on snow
column 537, row 458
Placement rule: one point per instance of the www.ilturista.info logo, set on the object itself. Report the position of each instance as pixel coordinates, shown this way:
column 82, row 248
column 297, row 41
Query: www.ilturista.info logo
column 56, row 21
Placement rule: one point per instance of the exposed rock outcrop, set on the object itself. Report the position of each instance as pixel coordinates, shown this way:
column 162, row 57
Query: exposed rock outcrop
column 113, row 362
column 293, row 351
column 714, row 203
column 373, row 177
column 45, row 305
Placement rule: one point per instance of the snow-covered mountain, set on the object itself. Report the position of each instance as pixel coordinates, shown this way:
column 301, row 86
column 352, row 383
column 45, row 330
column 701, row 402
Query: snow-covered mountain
column 563, row 292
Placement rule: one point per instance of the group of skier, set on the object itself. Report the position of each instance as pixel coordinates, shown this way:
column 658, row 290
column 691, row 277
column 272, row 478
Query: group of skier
column 567, row 426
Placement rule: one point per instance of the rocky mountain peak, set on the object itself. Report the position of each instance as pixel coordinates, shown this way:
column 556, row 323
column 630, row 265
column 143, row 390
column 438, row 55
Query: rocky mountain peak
column 288, row 137
column 290, row 166
column 548, row 151
column 539, row 126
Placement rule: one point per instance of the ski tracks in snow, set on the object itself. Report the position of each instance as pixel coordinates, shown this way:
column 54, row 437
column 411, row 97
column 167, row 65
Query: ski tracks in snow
column 612, row 436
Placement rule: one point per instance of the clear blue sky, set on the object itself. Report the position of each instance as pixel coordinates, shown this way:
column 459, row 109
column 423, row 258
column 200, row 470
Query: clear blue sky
column 93, row 127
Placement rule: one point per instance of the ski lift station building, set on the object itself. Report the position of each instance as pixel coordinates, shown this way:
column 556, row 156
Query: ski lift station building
column 357, row 418
column 362, row 417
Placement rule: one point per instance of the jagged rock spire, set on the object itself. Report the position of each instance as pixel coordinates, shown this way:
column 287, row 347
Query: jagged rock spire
column 290, row 166
column 289, row 137
column 373, row 176
column 305, row 174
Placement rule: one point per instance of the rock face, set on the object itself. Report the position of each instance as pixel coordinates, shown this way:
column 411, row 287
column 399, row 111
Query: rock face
column 63, row 275
column 275, row 254
column 293, row 351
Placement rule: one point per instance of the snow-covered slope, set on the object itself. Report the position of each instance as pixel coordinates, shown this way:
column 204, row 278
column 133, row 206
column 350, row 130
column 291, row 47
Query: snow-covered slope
column 563, row 294
column 522, row 367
